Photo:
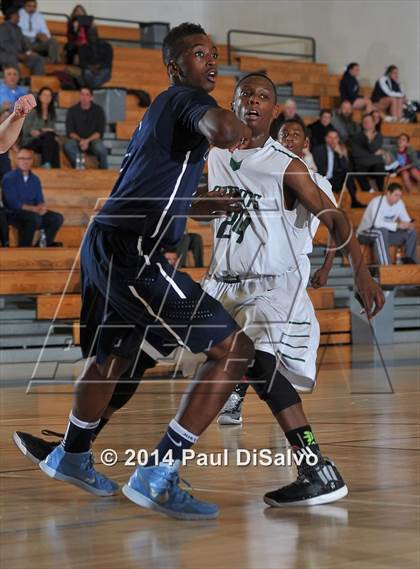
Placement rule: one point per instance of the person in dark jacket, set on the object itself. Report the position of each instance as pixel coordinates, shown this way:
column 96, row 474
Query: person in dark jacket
column 95, row 59
column 319, row 128
column 350, row 89
column 387, row 94
column 332, row 162
column 343, row 122
column 78, row 27
column 85, row 127
column 368, row 155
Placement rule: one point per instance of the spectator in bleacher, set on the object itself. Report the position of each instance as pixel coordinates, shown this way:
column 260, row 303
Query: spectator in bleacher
column 35, row 29
column 332, row 162
column 95, row 60
column 289, row 112
column 409, row 163
column 344, row 124
column 85, row 127
column 318, row 129
column 39, row 130
column 388, row 95
column 368, row 154
column 350, row 89
column 10, row 90
column 386, row 222
column 14, row 47
column 25, row 203
column 78, row 28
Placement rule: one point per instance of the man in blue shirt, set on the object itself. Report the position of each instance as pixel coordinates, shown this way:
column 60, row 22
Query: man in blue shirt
column 25, row 204
column 137, row 307
column 10, row 90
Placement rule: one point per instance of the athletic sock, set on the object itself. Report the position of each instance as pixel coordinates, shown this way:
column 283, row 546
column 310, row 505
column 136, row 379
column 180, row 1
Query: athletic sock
column 241, row 388
column 102, row 422
column 303, row 438
column 174, row 441
column 78, row 435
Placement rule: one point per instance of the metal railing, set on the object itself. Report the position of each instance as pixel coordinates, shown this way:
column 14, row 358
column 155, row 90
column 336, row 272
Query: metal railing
column 255, row 51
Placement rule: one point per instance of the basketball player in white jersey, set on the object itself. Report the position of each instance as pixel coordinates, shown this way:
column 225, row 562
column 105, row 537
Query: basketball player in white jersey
column 260, row 270
column 294, row 137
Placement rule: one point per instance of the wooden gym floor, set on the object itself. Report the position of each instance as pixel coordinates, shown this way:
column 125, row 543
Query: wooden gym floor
column 371, row 433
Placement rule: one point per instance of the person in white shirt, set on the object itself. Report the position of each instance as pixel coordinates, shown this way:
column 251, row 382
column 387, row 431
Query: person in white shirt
column 386, row 222
column 34, row 28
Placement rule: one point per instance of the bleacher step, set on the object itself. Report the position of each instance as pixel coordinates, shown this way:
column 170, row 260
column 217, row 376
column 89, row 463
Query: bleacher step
column 31, row 341
column 49, row 355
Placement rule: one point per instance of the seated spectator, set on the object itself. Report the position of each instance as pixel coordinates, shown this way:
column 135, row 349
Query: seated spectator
column 350, row 89
column 95, row 59
column 368, row 155
column 289, row 112
column 14, row 47
column 38, row 133
column 344, row 124
column 10, row 90
column 319, row 128
column 332, row 162
column 409, row 164
column 35, row 29
column 386, row 222
column 25, row 204
column 85, row 127
column 178, row 256
column 387, row 94
column 78, row 27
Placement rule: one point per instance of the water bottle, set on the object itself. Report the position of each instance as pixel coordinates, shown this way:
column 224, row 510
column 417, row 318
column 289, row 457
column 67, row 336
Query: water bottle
column 42, row 238
column 78, row 161
column 399, row 257
column 83, row 161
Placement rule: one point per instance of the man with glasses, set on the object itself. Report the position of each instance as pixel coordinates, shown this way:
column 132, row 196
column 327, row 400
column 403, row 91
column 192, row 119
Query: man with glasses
column 25, row 203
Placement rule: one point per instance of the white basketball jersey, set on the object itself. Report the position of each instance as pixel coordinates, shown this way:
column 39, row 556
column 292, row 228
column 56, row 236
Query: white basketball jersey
column 265, row 239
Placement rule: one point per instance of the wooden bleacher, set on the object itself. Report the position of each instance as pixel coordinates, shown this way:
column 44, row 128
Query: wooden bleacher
column 399, row 275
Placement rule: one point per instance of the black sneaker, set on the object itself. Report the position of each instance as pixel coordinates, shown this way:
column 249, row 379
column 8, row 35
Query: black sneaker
column 315, row 485
column 35, row 448
column 231, row 411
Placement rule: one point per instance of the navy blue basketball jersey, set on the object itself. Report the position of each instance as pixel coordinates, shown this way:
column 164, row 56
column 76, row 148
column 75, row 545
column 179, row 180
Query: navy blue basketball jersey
column 161, row 169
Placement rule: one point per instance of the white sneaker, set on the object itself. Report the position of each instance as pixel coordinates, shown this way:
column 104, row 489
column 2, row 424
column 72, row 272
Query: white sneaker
column 231, row 412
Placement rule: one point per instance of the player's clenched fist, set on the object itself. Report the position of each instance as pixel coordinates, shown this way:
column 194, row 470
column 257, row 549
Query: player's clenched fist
column 24, row 106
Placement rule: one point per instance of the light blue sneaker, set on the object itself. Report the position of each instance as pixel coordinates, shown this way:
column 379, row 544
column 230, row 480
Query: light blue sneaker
column 156, row 487
column 77, row 468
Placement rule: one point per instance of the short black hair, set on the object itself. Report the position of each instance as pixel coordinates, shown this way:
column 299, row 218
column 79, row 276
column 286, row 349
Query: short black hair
column 87, row 89
column 298, row 121
column 324, row 111
column 258, row 74
column 394, row 187
column 390, row 69
column 172, row 43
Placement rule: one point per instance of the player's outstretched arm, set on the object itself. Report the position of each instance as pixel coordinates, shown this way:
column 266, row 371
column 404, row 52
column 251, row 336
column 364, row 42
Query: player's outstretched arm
column 224, row 130
column 317, row 202
column 11, row 127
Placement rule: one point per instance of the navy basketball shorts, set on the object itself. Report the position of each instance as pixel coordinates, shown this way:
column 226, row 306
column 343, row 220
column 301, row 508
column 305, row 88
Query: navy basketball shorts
column 133, row 302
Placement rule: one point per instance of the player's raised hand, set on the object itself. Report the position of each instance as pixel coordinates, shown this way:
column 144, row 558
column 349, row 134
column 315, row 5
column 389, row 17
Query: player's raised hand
column 24, row 106
column 369, row 294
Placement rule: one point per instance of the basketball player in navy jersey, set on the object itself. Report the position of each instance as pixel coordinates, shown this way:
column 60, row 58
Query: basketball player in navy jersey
column 135, row 302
